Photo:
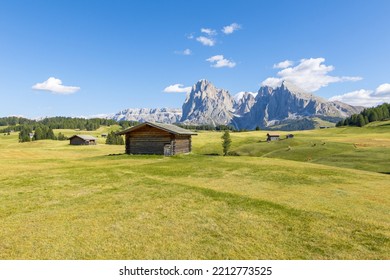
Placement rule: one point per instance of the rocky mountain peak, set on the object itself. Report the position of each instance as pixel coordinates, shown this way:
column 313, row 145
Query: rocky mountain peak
column 206, row 104
column 202, row 85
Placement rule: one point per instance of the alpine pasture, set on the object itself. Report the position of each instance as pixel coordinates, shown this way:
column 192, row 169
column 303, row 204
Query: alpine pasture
column 325, row 194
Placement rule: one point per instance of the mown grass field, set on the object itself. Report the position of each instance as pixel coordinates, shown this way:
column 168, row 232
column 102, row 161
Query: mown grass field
column 285, row 200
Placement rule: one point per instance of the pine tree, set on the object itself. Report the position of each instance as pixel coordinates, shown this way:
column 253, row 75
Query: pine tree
column 114, row 139
column 360, row 120
column 372, row 116
column 226, row 142
column 61, row 137
column 38, row 135
column 50, row 134
column 24, row 134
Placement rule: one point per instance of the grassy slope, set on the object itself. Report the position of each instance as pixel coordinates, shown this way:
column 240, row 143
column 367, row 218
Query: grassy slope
column 353, row 147
column 64, row 202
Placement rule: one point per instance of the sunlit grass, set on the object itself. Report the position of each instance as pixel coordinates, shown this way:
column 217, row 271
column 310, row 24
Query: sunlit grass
column 76, row 202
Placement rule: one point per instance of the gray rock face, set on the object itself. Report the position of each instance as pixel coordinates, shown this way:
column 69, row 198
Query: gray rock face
column 163, row 115
column 243, row 103
column 205, row 104
column 289, row 102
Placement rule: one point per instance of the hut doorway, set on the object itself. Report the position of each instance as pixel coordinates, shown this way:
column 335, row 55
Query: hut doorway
column 167, row 150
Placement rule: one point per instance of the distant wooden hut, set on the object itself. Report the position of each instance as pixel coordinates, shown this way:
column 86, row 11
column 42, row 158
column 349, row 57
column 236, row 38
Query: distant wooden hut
column 289, row 136
column 157, row 138
column 82, row 140
column 272, row 137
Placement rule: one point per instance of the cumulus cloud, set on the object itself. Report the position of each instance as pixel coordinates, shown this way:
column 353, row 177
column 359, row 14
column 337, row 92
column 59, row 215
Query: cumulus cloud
column 284, row 64
column 184, row 52
column 55, row 85
column 177, row 88
column 229, row 29
column 219, row 61
column 310, row 75
column 383, row 89
column 206, row 41
column 209, row 31
column 365, row 97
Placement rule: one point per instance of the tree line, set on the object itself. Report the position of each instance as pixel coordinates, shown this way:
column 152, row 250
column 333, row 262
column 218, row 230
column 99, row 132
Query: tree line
column 16, row 123
column 41, row 132
column 378, row 113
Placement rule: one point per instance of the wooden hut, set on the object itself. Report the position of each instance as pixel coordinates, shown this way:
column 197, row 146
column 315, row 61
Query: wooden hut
column 82, row 140
column 157, row 138
column 272, row 137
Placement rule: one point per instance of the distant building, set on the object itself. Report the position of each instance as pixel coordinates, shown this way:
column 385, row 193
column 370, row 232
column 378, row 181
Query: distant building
column 157, row 138
column 82, row 140
column 288, row 136
column 324, row 127
column 104, row 135
column 274, row 137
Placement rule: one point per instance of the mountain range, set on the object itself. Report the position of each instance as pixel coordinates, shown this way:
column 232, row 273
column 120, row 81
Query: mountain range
column 285, row 107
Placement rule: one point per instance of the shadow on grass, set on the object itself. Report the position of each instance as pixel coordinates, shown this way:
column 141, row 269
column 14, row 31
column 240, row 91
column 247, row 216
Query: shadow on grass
column 121, row 154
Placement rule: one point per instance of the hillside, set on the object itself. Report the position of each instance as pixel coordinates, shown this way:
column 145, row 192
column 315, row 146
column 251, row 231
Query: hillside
column 366, row 148
column 65, row 202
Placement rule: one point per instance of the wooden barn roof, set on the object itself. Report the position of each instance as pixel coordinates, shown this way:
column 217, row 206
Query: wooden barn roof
column 84, row 137
column 166, row 127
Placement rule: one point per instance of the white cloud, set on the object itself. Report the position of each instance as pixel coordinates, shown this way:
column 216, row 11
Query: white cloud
column 219, row 61
column 284, row 64
column 187, row 52
column 209, row 31
column 240, row 95
column 383, row 89
column 55, row 85
column 364, row 97
column 184, row 52
column 206, row 41
column 177, row 88
column 310, row 75
column 229, row 29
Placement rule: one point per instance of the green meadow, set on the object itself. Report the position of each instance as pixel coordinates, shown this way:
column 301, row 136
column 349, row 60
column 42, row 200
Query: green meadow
column 325, row 194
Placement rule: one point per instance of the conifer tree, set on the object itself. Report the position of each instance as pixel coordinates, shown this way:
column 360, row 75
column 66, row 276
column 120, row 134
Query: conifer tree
column 226, row 142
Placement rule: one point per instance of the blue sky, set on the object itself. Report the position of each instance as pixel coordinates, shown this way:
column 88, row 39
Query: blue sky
column 83, row 57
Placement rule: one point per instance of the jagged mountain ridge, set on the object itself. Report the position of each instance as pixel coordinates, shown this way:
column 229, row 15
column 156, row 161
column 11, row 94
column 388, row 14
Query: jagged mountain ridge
column 271, row 106
column 163, row 115
column 287, row 102
column 206, row 104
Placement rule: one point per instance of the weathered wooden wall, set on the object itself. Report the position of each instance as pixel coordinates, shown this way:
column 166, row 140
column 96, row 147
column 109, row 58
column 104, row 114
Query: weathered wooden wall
column 77, row 141
column 151, row 140
column 147, row 140
column 182, row 144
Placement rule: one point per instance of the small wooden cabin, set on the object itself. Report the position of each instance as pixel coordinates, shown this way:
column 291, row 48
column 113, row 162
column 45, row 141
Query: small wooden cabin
column 82, row 140
column 274, row 137
column 289, row 136
column 157, row 138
